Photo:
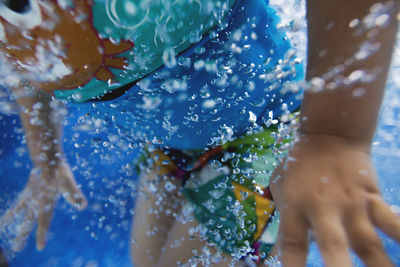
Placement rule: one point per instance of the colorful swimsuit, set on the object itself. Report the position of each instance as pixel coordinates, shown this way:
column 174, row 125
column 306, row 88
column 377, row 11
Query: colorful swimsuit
column 237, row 70
column 184, row 75
column 228, row 190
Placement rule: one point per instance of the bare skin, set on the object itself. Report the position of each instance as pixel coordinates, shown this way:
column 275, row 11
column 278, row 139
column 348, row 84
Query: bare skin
column 159, row 237
column 51, row 175
column 340, row 212
column 182, row 252
column 155, row 213
column 336, row 196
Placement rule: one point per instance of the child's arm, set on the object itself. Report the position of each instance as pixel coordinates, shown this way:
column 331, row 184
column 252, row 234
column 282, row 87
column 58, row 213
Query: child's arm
column 328, row 184
column 42, row 119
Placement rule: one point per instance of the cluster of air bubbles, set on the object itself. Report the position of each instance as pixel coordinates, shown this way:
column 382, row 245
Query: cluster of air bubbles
column 168, row 58
column 367, row 49
column 379, row 17
column 91, row 123
column 172, row 85
column 284, row 68
column 293, row 22
column 273, row 262
column 46, row 66
column 335, row 79
column 9, row 77
column 287, row 134
column 270, row 120
column 7, row 106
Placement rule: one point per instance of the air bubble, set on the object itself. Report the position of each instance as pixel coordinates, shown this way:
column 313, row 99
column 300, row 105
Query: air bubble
column 395, row 209
column 382, row 20
column 252, row 117
column 198, row 65
column 324, row 180
column 359, row 92
column 317, row 84
column 237, row 35
column 168, row 58
column 226, row 133
column 235, row 162
column 205, row 92
column 355, row 76
column 209, row 104
column 169, row 187
column 258, row 102
column 353, row 23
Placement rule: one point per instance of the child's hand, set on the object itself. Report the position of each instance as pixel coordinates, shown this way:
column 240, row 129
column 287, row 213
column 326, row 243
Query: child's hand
column 36, row 202
column 328, row 185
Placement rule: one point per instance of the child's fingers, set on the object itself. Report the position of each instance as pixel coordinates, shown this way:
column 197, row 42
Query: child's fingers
column 293, row 238
column 44, row 220
column 13, row 213
column 19, row 220
column 23, row 201
column 365, row 241
column 384, row 218
column 331, row 239
column 28, row 222
column 69, row 189
column 73, row 194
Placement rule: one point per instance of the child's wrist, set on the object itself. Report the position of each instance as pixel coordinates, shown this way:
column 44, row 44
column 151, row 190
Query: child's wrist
column 323, row 139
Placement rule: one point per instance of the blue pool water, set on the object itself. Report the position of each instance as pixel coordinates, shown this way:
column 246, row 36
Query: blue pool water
column 103, row 165
column 99, row 235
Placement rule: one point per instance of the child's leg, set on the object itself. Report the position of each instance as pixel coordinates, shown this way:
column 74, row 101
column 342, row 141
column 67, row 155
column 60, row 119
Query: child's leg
column 155, row 212
column 181, row 246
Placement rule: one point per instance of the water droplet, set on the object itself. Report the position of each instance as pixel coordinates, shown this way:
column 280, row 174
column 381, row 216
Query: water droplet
column 235, row 162
column 209, row 104
column 317, row 84
column 130, row 8
column 382, row 20
column 168, row 58
column 395, row 209
column 204, row 92
column 199, row 64
column 353, row 23
column 184, row 61
column 169, row 187
column 194, row 118
column 359, row 92
column 258, row 102
column 252, row 117
column 355, row 76
column 324, row 180
column 252, row 227
column 226, row 133
column 237, row 35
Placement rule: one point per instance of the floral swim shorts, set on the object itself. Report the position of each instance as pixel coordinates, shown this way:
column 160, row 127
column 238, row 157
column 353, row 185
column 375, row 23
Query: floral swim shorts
column 227, row 188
